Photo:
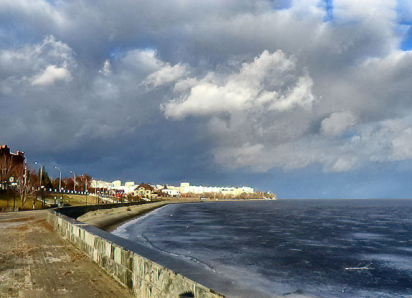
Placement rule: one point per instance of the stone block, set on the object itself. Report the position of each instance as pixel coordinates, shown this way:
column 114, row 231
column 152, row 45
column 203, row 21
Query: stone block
column 145, row 278
column 117, row 254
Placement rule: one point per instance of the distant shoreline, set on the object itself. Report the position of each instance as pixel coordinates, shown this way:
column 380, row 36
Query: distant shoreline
column 109, row 219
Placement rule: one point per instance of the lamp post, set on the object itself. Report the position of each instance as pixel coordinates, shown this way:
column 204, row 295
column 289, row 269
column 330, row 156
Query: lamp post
column 74, row 184
column 40, row 183
column 85, row 186
column 60, row 178
column 41, row 172
column 24, row 184
column 60, row 182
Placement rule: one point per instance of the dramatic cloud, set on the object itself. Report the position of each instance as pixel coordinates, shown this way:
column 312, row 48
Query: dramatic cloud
column 255, row 86
column 252, row 115
column 269, row 82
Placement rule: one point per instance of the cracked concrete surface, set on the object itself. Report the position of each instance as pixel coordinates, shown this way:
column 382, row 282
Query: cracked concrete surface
column 37, row 262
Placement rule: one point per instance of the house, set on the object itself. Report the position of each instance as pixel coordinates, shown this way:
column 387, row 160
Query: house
column 145, row 190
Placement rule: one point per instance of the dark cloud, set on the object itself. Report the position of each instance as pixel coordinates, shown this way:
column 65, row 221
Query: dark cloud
column 207, row 91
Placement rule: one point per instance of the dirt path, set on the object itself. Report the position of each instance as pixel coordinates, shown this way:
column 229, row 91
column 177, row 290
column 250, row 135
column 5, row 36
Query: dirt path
column 37, row 262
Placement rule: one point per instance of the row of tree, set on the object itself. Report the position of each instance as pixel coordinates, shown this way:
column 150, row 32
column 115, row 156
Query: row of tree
column 26, row 182
column 82, row 182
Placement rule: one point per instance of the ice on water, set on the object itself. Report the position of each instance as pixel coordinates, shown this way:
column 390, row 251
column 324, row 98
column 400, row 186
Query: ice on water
column 291, row 246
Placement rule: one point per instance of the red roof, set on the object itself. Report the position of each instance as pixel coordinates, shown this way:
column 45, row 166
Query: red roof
column 145, row 186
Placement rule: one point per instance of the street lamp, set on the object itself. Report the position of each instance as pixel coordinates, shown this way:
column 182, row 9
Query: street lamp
column 40, row 182
column 60, row 183
column 85, row 189
column 74, row 184
column 41, row 172
column 60, row 179
column 24, row 185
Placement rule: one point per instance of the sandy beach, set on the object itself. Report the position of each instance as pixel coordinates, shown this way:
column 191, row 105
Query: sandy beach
column 110, row 219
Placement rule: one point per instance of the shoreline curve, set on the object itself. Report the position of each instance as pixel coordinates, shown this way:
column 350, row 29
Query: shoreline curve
column 109, row 219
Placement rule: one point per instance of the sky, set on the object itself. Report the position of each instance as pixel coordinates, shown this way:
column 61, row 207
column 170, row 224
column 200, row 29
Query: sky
column 307, row 99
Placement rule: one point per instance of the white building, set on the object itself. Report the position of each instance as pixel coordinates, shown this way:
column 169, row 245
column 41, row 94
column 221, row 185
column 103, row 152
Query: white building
column 186, row 188
column 100, row 184
column 116, row 183
column 171, row 192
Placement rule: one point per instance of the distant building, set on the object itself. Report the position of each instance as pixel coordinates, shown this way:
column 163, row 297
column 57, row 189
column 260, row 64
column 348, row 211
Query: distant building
column 11, row 164
column 116, row 183
column 99, row 184
column 114, row 187
column 186, row 188
column 171, row 192
column 145, row 190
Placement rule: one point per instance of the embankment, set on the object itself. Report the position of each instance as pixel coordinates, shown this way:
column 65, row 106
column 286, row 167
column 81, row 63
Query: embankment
column 143, row 271
column 109, row 219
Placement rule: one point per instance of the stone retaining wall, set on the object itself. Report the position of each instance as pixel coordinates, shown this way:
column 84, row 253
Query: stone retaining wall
column 144, row 277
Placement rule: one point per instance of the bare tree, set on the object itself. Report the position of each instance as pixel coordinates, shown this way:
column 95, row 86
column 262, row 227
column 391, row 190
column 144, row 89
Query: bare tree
column 26, row 185
column 83, row 182
column 6, row 165
column 68, row 182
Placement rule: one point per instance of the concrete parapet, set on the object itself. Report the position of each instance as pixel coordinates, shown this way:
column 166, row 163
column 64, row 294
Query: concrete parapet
column 123, row 260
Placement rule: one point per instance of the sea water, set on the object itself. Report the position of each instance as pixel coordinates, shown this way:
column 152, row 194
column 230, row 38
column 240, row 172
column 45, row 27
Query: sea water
column 324, row 248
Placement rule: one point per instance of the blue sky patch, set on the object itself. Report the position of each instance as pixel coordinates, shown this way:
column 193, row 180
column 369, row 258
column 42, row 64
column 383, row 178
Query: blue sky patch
column 282, row 4
column 116, row 52
column 406, row 44
column 328, row 5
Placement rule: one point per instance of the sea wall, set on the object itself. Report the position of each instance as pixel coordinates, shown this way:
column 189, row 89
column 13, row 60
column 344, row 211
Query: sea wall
column 119, row 258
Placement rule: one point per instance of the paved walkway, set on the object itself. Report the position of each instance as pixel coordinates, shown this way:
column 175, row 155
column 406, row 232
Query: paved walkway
column 37, row 262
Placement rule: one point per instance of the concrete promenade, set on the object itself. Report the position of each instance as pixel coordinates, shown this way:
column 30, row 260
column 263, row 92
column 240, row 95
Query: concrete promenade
column 35, row 261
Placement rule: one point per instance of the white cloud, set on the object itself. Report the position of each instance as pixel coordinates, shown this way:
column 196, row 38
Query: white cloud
column 402, row 145
column 50, row 75
column 396, row 135
column 382, row 141
column 375, row 11
column 34, row 65
column 185, row 84
column 269, row 81
column 142, row 60
column 300, row 95
column 166, row 75
column 337, row 123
